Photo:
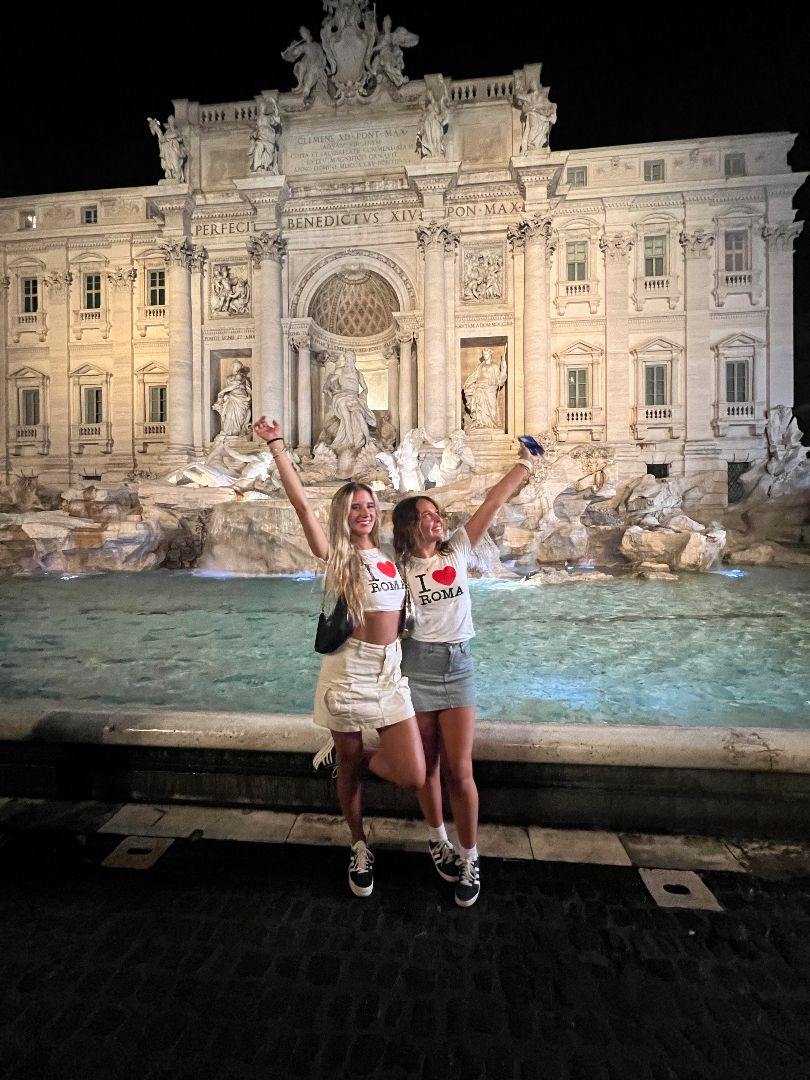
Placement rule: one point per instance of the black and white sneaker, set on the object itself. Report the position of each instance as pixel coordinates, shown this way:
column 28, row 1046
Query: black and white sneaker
column 445, row 859
column 361, row 876
column 468, row 885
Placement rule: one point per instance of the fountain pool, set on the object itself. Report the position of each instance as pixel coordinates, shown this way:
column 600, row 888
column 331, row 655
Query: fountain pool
column 715, row 650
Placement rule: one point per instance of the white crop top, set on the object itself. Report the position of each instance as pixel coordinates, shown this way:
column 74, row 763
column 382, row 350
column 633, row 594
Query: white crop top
column 384, row 589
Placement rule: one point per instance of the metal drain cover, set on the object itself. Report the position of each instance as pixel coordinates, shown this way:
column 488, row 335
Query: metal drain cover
column 679, row 889
column 138, row 852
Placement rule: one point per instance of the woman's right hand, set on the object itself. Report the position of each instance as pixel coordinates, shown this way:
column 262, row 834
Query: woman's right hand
column 267, row 431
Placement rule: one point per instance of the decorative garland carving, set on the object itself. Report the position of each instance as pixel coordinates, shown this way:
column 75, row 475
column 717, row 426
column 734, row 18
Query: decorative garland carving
column 618, row 246
column 121, row 277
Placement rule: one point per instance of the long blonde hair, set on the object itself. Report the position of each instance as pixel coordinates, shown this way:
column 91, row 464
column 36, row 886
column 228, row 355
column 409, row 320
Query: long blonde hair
column 344, row 570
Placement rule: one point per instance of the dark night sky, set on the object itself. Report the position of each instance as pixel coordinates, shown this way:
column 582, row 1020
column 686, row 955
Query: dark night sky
column 77, row 116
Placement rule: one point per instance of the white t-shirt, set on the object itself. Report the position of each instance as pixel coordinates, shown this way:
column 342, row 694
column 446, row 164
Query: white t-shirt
column 385, row 589
column 441, row 593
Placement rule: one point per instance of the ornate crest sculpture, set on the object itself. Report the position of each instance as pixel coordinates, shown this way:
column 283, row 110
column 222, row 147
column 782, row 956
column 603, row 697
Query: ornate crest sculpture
column 354, row 56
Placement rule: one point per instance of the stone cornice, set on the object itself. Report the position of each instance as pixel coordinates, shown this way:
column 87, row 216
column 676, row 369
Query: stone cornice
column 218, row 213
column 584, row 326
column 401, row 201
column 657, row 322
column 230, row 333
column 738, row 316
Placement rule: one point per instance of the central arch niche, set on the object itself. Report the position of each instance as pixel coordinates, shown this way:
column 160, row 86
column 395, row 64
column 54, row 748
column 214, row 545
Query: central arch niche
column 354, row 309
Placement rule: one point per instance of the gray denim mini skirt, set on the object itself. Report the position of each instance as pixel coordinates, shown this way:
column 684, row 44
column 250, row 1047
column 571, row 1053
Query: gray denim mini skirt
column 440, row 674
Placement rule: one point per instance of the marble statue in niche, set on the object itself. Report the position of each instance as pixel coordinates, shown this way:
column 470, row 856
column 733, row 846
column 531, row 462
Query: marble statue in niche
column 346, row 396
column 234, row 402
column 480, row 392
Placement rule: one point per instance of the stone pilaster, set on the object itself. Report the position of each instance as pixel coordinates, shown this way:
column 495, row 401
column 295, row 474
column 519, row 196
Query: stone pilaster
column 534, row 238
column 780, row 237
column 617, row 248
column 700, row 389
column 179, row 254
column 435, row 239
column 267, row 252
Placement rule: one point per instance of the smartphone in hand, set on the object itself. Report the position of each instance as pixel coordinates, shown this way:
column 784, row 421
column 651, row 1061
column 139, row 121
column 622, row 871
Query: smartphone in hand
column 531, row 444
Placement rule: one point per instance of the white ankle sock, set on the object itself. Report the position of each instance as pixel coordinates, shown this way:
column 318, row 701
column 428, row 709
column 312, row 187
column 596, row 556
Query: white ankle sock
column 439, row 833
column 468, row 853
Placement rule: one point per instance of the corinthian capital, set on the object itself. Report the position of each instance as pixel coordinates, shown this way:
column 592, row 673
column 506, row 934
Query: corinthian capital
column 266, row 246
column 58, row 281
column 121, row 277
column 617, row 246
column 435, row 233
column 298, row 332
column 782, row 235
column 697, row 244
column 177, row 252
column 530, row 226
column 5, row 282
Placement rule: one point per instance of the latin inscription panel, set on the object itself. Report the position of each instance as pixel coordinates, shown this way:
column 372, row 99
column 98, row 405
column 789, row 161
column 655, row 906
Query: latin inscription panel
column 349, row 151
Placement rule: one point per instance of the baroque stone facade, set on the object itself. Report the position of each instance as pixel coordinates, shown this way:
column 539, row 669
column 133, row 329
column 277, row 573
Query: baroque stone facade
column 636, row 296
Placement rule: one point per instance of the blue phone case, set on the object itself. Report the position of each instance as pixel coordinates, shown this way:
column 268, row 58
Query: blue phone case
column 531, row 444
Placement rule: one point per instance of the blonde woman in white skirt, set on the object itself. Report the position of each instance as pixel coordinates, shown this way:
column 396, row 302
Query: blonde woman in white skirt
column 360, row 685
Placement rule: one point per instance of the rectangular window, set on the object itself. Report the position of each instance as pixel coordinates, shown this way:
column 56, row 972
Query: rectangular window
column 156, row 288
column 577, row 388
column 157, row 405
column 653, row 171
column 29, row 407
column 734, row 164
column 29, row 298
column 92, row 292
column 28, row 219
column 91, row 405
column 655, row 384
column 577, row 176
column 89, row 215
column 736, row 250
column 655, row 256
column 576, row 260
column 736, row 380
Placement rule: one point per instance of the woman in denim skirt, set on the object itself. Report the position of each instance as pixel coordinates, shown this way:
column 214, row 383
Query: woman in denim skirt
column 438, row 663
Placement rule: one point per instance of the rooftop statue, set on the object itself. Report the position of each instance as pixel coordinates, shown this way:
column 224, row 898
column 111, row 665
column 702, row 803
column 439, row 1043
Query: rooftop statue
column 537, row 114
column 310, row 63
column 386, row 56
column 263, row 149
column 173, row 152
column 435, row 122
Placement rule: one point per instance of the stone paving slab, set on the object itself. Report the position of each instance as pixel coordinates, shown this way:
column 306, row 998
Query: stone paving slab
column 210, row 822
column 578, row 846
column 246, row 961
column 680, row 852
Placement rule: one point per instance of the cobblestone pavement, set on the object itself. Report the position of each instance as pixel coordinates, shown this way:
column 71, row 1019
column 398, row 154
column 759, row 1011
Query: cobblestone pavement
column 244, row 960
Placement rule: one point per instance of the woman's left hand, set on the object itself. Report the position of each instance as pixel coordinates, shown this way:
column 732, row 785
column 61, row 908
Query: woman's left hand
column 267, row 431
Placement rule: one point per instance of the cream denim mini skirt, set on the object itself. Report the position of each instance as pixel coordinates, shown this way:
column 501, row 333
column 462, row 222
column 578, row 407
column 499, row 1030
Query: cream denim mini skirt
column 361, row 686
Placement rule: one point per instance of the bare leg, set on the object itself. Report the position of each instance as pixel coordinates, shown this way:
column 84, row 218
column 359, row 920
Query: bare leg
column 456, row 729
column 349, row 754
column 400, row 758
column 429, row 795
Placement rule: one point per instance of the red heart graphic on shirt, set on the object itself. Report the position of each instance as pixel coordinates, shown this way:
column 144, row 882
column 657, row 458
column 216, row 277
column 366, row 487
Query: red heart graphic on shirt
column 387, row 568
column 446, row 576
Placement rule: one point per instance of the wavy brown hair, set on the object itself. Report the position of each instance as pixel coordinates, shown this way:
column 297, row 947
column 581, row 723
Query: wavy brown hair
column 344, row 569
column 406, row 527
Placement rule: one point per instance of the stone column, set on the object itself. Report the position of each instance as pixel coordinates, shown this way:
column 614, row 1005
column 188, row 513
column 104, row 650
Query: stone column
column 535, row 237
column 392, row 363
column 298, row 332
column 780, row 238
column 434, row 239
column 8, row 416
column 407, row 326
column 179, row 254
column 267, row 252
column 699, row 381
column 617, row 248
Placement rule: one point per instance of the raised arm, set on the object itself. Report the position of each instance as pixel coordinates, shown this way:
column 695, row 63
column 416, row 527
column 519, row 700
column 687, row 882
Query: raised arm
column 313, row 530
column 498, row 495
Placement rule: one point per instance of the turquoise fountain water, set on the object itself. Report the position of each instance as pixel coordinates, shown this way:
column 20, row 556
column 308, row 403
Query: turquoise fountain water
column 712, row 649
